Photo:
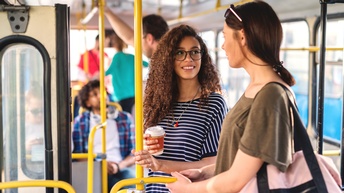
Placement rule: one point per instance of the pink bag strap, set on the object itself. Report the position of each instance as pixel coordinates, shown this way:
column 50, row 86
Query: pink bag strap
column 301, row 142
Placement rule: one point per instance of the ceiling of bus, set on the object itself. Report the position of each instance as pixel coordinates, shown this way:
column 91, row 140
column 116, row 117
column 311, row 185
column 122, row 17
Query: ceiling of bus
column 202, row 14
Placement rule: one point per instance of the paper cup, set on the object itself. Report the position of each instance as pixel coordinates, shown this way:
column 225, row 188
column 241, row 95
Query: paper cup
column 158, row 133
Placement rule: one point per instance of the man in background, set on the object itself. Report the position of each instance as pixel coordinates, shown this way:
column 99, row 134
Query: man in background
column 120, row 134
column 154, row 27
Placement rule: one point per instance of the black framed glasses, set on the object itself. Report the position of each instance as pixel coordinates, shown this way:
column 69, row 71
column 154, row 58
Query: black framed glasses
column 194, row 54
column 229, row 10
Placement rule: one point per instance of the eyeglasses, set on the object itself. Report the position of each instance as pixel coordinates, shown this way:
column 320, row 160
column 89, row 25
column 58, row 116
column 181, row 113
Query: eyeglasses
column 229, row 10
column 36, row 111
column 194, row 54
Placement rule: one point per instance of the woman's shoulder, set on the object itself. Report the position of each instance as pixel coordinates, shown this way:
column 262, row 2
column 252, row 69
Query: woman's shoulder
column 273, row 89
column 217, row 99
column 271, row 93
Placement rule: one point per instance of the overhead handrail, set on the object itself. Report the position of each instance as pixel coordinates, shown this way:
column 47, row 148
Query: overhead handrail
column 217, row 8
column 311, row 49
column 38, row 183
column 89, row 16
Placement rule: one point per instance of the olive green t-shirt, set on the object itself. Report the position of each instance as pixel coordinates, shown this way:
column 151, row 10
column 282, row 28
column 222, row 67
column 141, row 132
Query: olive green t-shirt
column 259, row 127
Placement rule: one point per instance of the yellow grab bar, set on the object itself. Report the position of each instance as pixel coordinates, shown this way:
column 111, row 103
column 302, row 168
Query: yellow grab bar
column 141, row 181
column 332, row 152
column 90, row 164
column 38, row 183
column 81, row 155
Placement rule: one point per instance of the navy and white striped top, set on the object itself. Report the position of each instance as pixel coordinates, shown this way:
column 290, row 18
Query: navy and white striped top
column 196, row 136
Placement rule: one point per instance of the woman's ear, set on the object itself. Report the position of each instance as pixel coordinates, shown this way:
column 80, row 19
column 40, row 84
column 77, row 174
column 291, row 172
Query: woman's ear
column 242, row 37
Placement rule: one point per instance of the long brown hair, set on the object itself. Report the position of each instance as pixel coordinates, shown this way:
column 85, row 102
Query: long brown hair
column 263, row 32
column 162, row 88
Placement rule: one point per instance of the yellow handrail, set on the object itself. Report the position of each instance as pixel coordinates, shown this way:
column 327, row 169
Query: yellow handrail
column 101, row 24
column 141, row 181
column 90, row 164
column 311, row 49
column 138, row 85
column 217, row 8
column 81, row 155
column 38, row 183
column 331, row 152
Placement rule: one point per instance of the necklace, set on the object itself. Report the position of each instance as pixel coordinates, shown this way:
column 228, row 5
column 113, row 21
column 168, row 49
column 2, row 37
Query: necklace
column 175, row 122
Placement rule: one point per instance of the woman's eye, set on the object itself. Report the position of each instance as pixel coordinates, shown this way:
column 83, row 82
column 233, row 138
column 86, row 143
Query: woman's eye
column 195, row 52
column 179, row 52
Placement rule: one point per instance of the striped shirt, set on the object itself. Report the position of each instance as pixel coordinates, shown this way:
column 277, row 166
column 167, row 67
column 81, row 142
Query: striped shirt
column 196, row 136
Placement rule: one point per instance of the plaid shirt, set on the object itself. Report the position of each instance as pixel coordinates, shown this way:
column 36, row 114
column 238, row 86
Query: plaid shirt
column 125, row 129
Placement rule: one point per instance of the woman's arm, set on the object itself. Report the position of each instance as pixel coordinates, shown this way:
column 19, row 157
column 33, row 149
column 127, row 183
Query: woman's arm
column 242, row 171
column 145, row 159
column 123, row 30
column 196, row 175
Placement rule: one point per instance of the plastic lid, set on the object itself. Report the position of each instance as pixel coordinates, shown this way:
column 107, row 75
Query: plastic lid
column 155, row 131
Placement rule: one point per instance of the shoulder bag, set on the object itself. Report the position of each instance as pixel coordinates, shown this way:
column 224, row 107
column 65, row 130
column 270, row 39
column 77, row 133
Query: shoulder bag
column 309, row 172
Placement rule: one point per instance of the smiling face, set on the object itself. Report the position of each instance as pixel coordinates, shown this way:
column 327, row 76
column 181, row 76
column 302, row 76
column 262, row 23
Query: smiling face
column 188, row 68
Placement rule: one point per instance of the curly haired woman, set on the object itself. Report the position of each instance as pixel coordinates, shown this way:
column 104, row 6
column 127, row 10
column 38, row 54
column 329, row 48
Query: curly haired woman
column 182, row 96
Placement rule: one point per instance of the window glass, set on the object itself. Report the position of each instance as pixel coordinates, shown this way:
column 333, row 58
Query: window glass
column 333, row 79
column 208, row 37
column 22, row 112
column 296, row 35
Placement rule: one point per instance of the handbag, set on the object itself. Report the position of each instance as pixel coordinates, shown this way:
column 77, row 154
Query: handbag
column 309, row 172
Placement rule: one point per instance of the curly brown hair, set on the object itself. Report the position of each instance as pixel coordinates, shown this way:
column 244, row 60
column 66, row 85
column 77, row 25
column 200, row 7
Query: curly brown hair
column 162, row 88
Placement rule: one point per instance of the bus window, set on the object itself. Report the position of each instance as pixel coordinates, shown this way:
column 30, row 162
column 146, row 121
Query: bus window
column 333, row 80
column 208, row 37
column 22, row 113
column 296, row 35
column 81, row 41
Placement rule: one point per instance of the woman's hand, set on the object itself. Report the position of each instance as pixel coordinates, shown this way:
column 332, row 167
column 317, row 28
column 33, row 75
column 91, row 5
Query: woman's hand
column 146, row 160
column 151, row 145
column 180, row 184
column 194, row 175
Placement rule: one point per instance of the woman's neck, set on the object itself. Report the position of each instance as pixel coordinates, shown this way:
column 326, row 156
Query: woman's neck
column 189, row 91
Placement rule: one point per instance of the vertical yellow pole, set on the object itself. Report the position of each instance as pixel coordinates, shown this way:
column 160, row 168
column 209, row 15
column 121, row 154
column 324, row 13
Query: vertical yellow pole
column 102, row 91
column 138, row 84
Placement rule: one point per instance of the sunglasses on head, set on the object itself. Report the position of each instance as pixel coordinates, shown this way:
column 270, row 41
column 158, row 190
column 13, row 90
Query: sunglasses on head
column 231, row 9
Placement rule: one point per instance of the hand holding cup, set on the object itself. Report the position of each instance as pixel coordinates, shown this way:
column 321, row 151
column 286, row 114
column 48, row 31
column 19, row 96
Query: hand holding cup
column 154, row 140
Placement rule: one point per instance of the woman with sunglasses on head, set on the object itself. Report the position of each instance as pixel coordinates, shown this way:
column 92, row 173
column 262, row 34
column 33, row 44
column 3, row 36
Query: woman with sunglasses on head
column 258, row 128
column 182, row 96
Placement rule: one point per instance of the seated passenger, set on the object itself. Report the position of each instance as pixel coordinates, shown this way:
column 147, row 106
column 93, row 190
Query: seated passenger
column 34, row 131
column 120, row 136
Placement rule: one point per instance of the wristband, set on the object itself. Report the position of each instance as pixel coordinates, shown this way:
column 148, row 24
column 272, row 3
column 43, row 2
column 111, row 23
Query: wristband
column 118, row 169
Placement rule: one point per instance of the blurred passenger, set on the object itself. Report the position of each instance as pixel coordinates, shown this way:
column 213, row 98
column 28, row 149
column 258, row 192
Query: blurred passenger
column 90, row 70
column 258, row 128
column 120, row 134
column 154, row 27
column 122, row 71
column 182, row 96
column 34, row 130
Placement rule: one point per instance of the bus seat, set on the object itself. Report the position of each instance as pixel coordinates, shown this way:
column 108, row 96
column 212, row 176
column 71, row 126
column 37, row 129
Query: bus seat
column 116, row 105
column 79, row 176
